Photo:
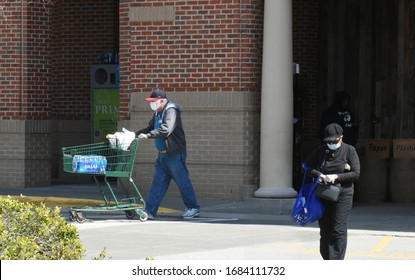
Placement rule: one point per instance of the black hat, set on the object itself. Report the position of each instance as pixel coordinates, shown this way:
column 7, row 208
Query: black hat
column 156, row 94
column 332, row 132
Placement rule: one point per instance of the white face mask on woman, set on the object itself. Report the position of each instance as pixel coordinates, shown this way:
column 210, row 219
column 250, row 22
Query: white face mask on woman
column 333, row 147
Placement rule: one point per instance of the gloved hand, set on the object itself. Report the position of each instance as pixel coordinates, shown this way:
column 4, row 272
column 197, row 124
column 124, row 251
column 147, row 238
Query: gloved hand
column 330, row 178
column 142, row 136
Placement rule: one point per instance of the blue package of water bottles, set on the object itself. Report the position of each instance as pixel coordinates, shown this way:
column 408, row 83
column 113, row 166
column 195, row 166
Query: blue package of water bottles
column 89, row 164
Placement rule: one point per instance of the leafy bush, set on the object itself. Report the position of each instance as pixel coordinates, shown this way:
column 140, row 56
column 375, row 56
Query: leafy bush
column 29, row 232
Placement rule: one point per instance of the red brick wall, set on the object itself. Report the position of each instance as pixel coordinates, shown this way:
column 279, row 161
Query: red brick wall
column 10, row 60
column 50, row 106
column 210, row 46
column 38, row 62
column 84, row 29
column 61, row 41
column 203, row 49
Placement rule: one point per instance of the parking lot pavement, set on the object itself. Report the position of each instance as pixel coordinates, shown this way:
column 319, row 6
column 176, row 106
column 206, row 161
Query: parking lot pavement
column 240, row 236
column 249, row 229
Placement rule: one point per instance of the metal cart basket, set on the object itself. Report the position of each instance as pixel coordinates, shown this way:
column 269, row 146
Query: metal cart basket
column 106, row 160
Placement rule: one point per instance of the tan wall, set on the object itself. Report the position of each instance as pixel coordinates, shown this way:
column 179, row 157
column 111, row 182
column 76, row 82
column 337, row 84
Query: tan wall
column 25, row 153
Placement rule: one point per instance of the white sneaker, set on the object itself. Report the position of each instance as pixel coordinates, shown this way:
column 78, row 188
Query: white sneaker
column 191, row 213
column 150, row 216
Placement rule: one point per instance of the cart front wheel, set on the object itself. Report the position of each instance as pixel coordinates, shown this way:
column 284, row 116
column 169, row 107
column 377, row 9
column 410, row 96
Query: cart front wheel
column 72, row 216
column 143, row 216
column 80, row 217
column 130, row 214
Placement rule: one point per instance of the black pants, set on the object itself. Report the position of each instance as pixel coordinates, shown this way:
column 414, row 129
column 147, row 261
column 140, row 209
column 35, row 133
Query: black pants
column 333, row 226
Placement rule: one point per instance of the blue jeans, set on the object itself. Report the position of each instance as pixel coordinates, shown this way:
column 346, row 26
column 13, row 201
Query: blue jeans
column 170, row 167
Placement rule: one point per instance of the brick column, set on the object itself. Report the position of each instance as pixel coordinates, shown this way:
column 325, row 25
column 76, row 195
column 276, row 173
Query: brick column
column 277, row 103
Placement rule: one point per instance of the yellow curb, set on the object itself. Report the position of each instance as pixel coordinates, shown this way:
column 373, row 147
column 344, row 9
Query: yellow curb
column 52, row 201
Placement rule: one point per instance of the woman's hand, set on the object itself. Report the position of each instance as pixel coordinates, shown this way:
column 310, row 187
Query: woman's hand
column 330, row 178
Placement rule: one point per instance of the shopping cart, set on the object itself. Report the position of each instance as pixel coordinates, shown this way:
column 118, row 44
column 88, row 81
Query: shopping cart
column 106, row 160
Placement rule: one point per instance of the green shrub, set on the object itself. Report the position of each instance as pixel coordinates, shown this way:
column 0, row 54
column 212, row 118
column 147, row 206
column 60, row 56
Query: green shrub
column 29, row 232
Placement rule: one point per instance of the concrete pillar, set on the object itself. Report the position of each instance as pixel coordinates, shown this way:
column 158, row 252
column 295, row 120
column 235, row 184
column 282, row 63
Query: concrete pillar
column 277, row 103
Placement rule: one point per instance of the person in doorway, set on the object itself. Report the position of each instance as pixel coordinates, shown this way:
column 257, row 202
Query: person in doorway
column 335, row 162
column 340, row 113
column 166, row 128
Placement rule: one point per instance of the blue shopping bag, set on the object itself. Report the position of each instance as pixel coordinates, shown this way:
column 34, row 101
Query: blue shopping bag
column 308, row 208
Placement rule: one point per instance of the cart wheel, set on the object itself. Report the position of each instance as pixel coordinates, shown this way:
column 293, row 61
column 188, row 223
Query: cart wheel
column 143, row 216
column 72, row 216
column 129, row 214
column 80, row 218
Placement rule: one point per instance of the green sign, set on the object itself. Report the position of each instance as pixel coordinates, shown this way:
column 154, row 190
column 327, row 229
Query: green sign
column 105, row 112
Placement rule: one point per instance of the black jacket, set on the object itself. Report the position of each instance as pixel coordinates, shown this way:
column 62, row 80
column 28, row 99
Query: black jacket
column 339, row 113
column 325, row 161
column 171, row 128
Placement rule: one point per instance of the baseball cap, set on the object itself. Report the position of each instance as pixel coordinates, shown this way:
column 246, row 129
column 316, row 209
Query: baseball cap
column 156, row 94
column 332, row 132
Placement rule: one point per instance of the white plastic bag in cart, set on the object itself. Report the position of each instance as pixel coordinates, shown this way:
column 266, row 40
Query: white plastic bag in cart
column 121, row 140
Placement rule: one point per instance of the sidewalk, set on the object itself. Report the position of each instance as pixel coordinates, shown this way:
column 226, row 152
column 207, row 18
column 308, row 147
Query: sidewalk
column 234, row 230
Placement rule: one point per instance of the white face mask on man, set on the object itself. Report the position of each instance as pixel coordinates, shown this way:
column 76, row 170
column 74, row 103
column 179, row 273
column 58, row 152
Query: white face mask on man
column 154, row 105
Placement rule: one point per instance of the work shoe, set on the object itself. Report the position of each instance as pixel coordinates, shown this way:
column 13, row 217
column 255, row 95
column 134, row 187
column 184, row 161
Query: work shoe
column 191, row 213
